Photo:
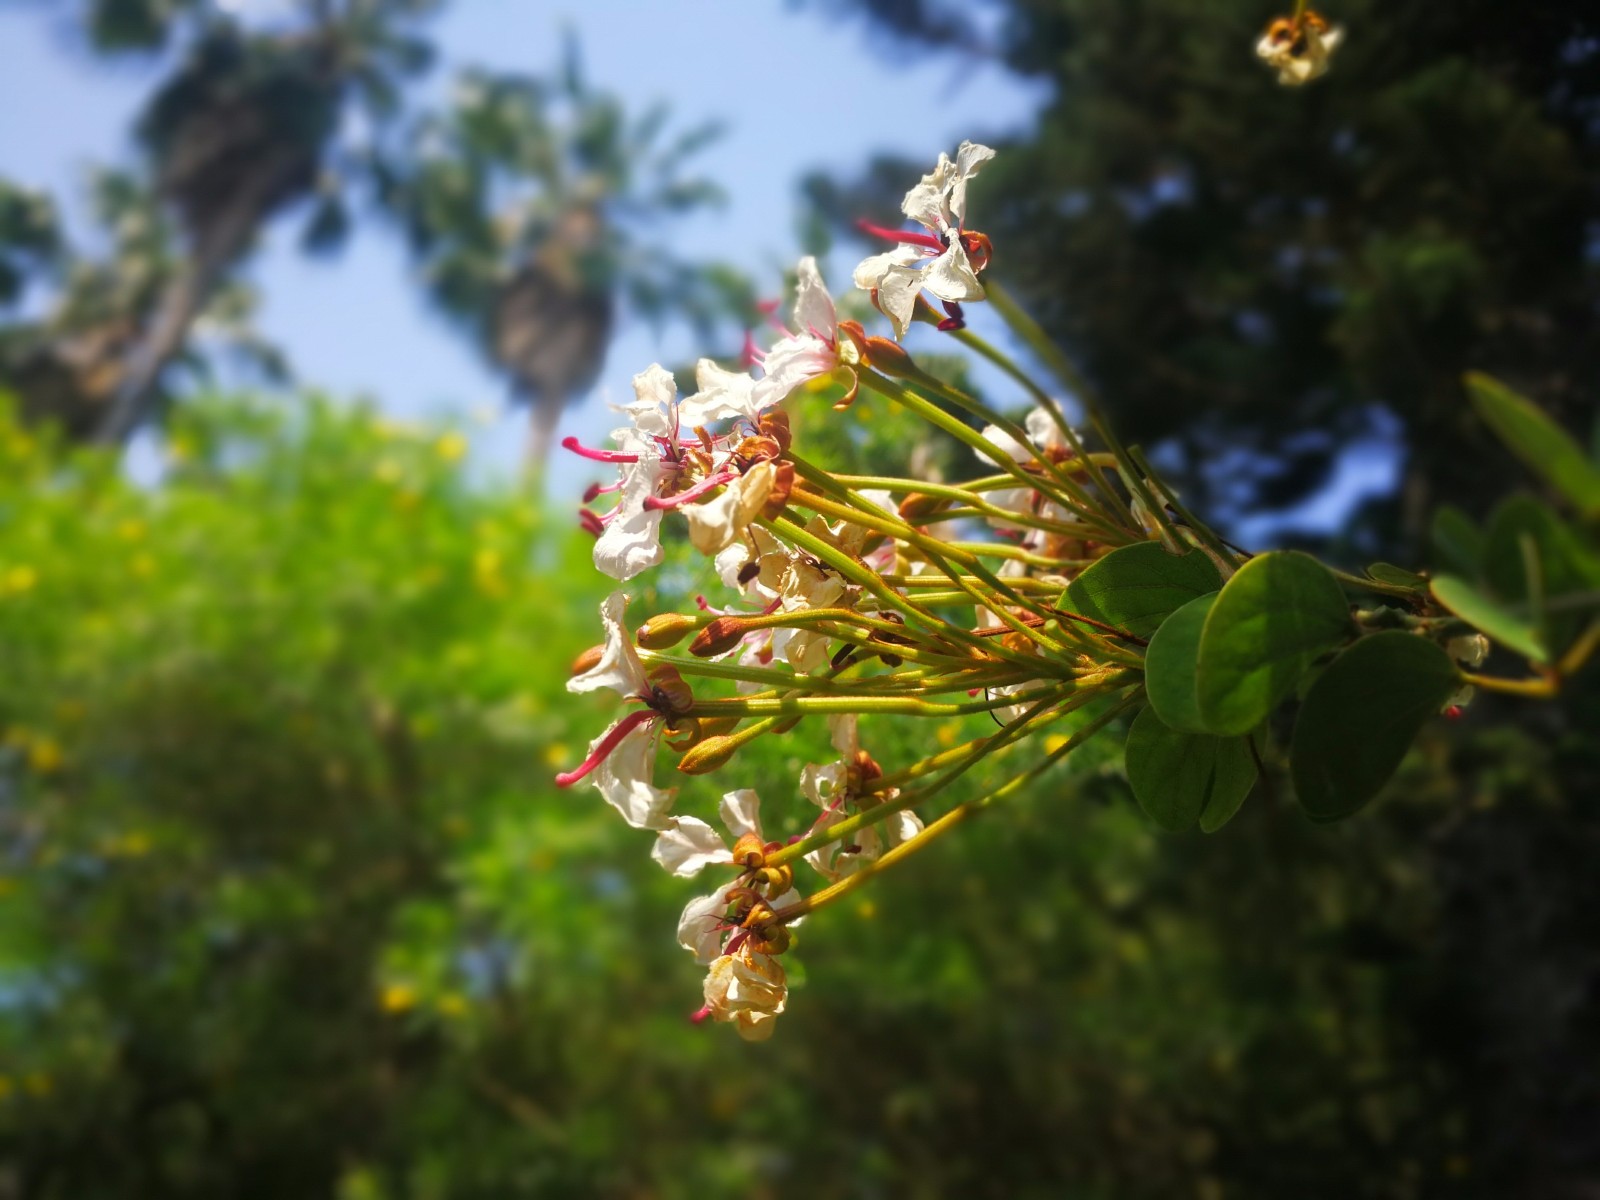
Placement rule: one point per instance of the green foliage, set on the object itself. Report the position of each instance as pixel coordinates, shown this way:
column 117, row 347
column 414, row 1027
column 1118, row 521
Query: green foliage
column 1361, row 715
column 1180, row 778
column 1134, row 588
column 1271, row 620
column 1544, row 447
column 1170, row 663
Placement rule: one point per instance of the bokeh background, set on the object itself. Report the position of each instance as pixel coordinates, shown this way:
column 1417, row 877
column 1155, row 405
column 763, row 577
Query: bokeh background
column 296, row 296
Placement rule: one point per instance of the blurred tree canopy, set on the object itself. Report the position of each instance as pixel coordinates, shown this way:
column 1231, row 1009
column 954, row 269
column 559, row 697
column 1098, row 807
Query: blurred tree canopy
column 1261, row 275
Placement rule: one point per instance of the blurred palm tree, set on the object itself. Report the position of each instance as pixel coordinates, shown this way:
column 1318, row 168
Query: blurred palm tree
column 246, row 126
column 68, row 362
column 533, row 206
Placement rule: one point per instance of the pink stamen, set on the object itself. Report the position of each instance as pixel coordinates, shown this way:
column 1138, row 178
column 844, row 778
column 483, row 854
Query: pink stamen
column 926, row 240
column 610, row 456
column 752, row 354
column 699, row 1016
column 604, row 747
column 590, row 522
column 694, row 493
column 594, row 491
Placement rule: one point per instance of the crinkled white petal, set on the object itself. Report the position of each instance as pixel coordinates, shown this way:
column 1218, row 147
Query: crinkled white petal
column 950, row 276
column 619, row 667
column 699, row 929
column 625, row 777
column 821, row 783
column 844, row 732
column 741, row 812
column 687, row 846
column 631, row 540
column 716, row 524
column 814, row 312
column 791, row 363
column 723, row 395
column 655, row 393
column 928, row 202
column 748, row 989
column 970, row 157
column 1043, row 430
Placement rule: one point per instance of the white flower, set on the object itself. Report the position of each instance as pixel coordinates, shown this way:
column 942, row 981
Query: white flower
column 717, row 524
column 748, row 989
column 832, row 787
column 939, row 261
column 689, row 845
column 1299, row 52
column 630, row 541
column 723, row 395
column 619, row 667
column 815, row 348
column 1045, row 441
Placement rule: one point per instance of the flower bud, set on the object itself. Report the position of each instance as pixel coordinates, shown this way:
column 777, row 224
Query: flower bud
column 749, row 850
column 711, row 753
column 917, row 507
column 587, row 661
column 719, row 637
column 665, row 630
column 891, row 358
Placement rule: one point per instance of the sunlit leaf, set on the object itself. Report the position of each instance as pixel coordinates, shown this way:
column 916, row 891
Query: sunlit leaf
column 1270, row 621
column 1170, row 664
column 1135, row 587
column 1487, row 616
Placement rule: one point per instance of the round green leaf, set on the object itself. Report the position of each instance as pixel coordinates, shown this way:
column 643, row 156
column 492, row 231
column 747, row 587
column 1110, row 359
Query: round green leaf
column 1457, row 542
column 1170, row 663
column 1270, row 621
column 1135, row 587
column 1360, row 717
column 1397, row 576
column 1181, row 778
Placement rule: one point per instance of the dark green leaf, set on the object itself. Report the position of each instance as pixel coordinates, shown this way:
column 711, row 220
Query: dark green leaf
column 1397, row 576
column 1457, row 542
column 1542, row 445
column 1360, row 717
column 1135, row 587
column 1170, row 664
column 1564, row 565
column 1270, row 621
column 1181, row 778
column 1487, row 616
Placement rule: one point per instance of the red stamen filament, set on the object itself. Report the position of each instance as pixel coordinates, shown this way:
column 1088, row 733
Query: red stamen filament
column 605, row 746
column 694, row 493
column 610, row 456
column 926, row 240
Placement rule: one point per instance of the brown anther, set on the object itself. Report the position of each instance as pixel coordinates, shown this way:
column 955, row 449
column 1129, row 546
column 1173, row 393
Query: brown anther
column 773, row 939
column 687, row 731
column 749, row 851
column 782, row 485
column 669, row 694
column 664, row 630
column 979, row 249
column 757, row 449
column 778, row 880
column 722, row 635
column 760, row 914
column 866, row 767
column 775, row 425
column 588, row 660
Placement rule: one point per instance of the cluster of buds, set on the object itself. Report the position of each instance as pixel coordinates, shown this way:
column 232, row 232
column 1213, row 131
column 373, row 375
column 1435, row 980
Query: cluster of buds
column 850, row 597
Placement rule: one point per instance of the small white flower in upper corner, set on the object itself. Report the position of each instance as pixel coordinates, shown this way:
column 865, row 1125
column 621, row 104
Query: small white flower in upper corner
column 1299, row 49
column 945, row 260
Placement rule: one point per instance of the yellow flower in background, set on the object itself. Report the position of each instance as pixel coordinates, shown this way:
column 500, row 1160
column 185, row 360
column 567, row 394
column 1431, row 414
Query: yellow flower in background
column 398, row 998
column 486, row 571
column 45, row 756
column 451, row 447
column 451, row 1004
column 18, row 579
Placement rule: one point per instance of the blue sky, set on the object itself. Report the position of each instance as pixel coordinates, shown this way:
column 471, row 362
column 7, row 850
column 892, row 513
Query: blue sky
column 796, row 91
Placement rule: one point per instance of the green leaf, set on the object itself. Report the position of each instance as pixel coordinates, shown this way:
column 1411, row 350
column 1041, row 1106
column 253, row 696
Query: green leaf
column 1544, row 447
column 1180, row 778
column 1361, row 716
column 1397, row 576
column 1563, row 563
column 1271, row 620
column 1487, row 616
column 1135, row 587
column 1170, row 663
column 1457, row 542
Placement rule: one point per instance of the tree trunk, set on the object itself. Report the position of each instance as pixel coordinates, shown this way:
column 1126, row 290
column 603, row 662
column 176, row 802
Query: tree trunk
column 543, row 417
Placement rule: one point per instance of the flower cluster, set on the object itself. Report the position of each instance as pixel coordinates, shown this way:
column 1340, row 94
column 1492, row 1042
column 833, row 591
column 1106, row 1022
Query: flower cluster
column 848, row 599
column 1027, row 594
